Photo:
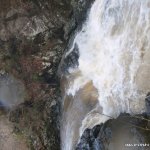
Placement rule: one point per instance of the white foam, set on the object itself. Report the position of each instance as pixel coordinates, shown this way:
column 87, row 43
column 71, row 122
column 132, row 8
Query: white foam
column 114, row 48
column 113, row 45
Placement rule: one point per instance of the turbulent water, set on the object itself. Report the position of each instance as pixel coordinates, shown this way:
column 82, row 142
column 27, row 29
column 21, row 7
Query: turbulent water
column 113, row 75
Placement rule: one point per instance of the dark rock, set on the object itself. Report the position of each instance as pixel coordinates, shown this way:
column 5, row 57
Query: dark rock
column 70, row 61
column 125, row 129
column 148, row 103
column 80, row 12
column 33, row 36
column 80, row 9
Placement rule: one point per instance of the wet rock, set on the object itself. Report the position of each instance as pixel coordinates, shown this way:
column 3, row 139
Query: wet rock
column 117, row 133
column 148, row 103
column 79, row 14
column 69, row 61
column 80, row 9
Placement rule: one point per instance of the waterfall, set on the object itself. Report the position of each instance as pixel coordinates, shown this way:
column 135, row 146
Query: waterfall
column 113, row 75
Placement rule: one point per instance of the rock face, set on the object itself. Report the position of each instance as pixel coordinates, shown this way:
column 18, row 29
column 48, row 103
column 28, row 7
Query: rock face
column 8, row 140
column 79, row 14
column 33, row 37
column 118, row 134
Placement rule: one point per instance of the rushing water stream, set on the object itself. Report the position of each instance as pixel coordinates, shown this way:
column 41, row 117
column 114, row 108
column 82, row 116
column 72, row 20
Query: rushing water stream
column 113, row 74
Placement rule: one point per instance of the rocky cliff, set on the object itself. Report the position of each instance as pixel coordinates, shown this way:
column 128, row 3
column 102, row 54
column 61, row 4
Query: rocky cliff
column 33, row 37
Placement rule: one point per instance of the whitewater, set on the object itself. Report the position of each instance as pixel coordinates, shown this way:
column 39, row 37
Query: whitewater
column 113, row 75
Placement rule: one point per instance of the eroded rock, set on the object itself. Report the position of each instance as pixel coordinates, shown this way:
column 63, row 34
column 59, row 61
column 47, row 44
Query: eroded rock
column 118, row 134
